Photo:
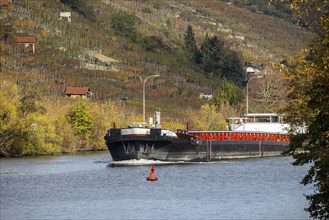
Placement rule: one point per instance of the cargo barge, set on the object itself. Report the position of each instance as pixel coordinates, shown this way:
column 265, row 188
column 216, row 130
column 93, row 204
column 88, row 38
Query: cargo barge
column 245, row 139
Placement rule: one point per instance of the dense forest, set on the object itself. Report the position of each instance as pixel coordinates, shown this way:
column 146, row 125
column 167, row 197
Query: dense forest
column 112, row 46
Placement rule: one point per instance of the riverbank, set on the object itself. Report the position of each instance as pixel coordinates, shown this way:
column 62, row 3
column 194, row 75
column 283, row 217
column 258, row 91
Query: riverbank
column 54, row 154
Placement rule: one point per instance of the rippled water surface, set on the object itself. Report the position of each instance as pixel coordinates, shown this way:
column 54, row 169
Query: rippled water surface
column 92, row 187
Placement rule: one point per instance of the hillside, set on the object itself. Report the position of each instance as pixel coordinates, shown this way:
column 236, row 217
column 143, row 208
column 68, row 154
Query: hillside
column 64, row 51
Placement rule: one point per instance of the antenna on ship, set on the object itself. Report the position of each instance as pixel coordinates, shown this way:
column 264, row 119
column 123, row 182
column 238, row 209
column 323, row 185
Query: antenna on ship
column 157, row 120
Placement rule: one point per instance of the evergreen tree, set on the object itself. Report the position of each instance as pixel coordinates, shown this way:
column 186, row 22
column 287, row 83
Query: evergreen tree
column 81, row 119
column 192, row 50
column 213, row 54
column 208, row 62
column 215, row 59
column 80, row 7
column 218, row 60
column 233, row 68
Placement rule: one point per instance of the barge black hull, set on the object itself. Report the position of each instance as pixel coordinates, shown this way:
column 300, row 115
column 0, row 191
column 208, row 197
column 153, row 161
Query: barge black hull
column 217, row 150
column 187, row 148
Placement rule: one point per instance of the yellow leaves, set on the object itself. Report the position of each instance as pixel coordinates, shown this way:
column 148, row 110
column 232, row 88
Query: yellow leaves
column 325, row 61
column 7, row 111
column 44, row 33
column 207, row 118
column 110, row 112
column 8, row 87
column 43, row 129
column 25, row 23
column 8, row 103
column 308, row 103
column 303, row 73
column 303, row 70
column 172, row 125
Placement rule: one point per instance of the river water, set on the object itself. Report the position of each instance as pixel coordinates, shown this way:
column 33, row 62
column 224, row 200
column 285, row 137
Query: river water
column 90, row 186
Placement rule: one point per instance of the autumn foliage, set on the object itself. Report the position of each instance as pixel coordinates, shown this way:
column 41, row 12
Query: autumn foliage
column 308, row 104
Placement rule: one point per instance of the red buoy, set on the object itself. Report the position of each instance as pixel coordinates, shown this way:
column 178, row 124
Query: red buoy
column 152, row 176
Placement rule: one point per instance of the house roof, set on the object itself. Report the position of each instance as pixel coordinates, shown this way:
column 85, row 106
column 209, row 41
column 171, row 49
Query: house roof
column 26, row 39
column 77, row 90
column 5, row 2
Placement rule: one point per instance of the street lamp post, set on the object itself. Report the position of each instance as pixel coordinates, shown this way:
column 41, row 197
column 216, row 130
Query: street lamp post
column 144, row 93
column 254, row 77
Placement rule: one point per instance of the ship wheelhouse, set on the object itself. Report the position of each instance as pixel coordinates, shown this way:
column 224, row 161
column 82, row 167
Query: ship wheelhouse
column 266, row 122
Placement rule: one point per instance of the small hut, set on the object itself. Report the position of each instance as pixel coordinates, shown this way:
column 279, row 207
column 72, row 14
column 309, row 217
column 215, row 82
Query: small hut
column 74, row 92
column 27, row 41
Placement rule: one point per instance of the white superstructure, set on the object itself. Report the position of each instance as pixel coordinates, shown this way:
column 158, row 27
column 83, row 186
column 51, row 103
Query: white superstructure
column 143, row 131
column 259, row 122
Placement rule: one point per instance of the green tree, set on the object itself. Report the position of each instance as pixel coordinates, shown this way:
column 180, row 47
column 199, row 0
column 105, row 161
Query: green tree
column 124, row 24
column 152, row 43
column 213, row 55
column 233, row 68
column 227, row 93
column 81, row 120
column 309, row 104
column 219, row 61
column 192, row 50
column 80, row 7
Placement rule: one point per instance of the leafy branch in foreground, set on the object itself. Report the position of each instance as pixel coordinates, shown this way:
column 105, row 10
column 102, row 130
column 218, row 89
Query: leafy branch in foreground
column 309, row 104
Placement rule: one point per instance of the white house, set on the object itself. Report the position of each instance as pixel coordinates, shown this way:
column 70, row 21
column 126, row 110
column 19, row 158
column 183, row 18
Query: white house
column 65, row 15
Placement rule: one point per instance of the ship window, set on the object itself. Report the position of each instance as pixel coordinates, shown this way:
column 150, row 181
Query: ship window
column 275, row 119
column 262, row 119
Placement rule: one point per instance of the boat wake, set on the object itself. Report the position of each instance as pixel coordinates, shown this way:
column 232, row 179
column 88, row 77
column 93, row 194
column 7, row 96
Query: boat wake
column 144, row 162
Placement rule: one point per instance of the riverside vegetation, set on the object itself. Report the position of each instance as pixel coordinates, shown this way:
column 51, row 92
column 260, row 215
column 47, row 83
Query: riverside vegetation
column 308, row 104
column 196, row 47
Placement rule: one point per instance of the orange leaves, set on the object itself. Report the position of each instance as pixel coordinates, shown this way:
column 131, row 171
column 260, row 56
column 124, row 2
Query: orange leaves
column 25, row 23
